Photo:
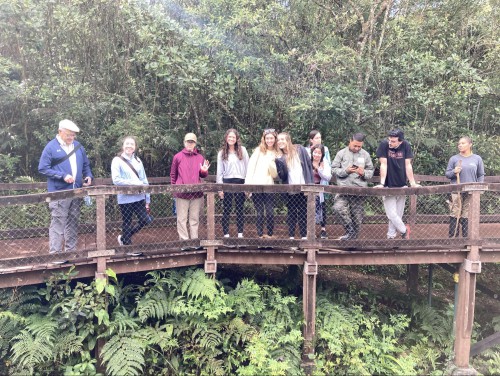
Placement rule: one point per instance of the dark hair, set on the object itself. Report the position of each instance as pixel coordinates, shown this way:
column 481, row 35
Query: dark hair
column 313, row 134
column 320, row 147
column 237, row 145
column 397, row 133
column 136, row 147
column 358, row 137
column 469, row 140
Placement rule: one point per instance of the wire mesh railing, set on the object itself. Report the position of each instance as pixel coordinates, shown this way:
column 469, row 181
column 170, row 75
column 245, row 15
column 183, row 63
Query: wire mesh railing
column 47, row 227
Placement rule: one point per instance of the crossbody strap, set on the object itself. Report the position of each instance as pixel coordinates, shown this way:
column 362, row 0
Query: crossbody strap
column 130, row 165
column 60, row 160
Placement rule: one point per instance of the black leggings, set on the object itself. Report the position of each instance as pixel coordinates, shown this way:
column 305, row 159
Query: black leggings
column 297, row 212
column 264, row 201
column 239, row 202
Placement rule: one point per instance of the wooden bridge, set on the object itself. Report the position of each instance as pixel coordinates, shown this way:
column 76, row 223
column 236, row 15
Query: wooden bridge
column 25, row 259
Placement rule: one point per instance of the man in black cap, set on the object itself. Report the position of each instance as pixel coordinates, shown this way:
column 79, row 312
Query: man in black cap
column 66, row 166
column 395, row 156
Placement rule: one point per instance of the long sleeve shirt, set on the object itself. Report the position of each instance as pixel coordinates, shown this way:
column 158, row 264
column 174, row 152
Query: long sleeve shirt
column 472, row 169
column 122, row 174
column 232, row 167
column 346, row 158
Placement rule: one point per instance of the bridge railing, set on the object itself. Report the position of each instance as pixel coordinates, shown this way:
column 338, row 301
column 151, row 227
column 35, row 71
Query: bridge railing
column 25, row 220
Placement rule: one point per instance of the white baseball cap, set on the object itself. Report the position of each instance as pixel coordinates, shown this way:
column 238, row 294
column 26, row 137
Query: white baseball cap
column 68, row 125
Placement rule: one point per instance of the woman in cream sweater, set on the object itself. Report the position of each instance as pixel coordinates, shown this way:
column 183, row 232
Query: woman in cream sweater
column 262, row 170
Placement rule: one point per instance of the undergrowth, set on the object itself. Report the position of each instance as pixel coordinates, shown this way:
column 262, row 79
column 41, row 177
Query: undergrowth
column 185, row 322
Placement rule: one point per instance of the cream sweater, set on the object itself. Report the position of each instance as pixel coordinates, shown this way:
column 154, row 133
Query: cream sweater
column 261, row 168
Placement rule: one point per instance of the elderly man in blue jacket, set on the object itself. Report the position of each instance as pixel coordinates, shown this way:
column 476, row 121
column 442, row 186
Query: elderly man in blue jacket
column 66, row 166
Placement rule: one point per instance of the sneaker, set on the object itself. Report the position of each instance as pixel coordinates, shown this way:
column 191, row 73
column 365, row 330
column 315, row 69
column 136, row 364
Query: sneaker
column 120, row 241
column 59, row 262
column 406, row 235
column 240, row 235
column 186, row 249
column 323, row 235
column 346, row 237
column 134, row 254
column 226, row 235
column 304, row 238
column 292, row 238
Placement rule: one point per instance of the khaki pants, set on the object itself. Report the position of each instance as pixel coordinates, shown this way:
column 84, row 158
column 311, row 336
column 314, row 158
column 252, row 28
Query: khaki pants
column 455, row 211
column 188, row 209
column 63, row 230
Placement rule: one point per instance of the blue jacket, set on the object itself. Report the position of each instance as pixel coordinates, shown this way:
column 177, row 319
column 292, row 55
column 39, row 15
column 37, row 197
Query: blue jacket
column 55, row 175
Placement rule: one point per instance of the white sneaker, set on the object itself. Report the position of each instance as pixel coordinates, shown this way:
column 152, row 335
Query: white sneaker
column 119, row 238
column 226, row 235
column 304, row 238
column 292, row 238
column 240, row 235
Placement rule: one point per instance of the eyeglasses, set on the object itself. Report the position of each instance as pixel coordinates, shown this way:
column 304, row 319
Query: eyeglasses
column 269, row 130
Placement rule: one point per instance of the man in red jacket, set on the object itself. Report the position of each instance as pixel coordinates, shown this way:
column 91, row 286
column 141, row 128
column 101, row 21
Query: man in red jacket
column 188, row 167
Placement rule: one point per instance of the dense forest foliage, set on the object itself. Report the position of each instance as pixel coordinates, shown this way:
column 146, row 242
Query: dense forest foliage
column 159, row 68
column 185, row 322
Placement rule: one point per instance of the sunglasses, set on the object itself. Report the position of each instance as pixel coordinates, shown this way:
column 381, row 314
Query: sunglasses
column 269, row 130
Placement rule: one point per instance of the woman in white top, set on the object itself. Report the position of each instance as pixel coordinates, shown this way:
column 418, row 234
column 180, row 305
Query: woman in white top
column 232, row 162
column 262, row 170
column 127, row 169
column 294, row 167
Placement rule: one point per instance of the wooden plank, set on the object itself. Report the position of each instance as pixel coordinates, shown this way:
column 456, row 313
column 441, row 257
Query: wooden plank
column 485, row 344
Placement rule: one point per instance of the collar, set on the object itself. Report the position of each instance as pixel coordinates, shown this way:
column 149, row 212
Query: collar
column 62, row 143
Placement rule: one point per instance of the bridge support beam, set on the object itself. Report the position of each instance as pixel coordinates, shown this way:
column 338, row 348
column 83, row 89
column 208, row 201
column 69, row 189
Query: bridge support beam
column 309, row 306
column 467, row 293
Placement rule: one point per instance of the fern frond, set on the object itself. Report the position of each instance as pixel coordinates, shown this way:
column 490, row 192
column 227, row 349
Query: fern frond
column 123, row 356
column 153, row 305
column 42, row 326
column 8, row 329
column 197, row 283
column 122, row 321
column 29, row 350
column 246, row 298
column 160, row 335
column 209, row 339
column 67, row 344
column 241, row 331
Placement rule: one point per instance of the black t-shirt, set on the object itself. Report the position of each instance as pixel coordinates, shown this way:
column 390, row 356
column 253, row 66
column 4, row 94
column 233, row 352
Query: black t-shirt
column 396, row 168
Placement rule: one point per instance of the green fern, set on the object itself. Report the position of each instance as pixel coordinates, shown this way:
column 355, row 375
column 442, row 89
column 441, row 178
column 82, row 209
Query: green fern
column 159, row 335
column 29, row 351
column 208, row 339
column 66, row 345
column 9, row 327
column 197, row 283
column 123, row 356
column 246, row 298
column 122, row 321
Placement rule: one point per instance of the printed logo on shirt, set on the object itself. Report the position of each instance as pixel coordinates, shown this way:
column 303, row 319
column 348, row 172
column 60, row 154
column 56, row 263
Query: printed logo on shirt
column 395, row 154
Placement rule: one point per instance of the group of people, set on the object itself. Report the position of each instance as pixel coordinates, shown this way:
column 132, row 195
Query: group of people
column 66, row 166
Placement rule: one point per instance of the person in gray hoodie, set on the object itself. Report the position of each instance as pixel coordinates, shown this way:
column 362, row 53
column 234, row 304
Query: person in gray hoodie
column 352, row 167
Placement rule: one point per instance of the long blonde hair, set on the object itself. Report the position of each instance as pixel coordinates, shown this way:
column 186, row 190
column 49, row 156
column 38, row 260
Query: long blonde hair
column 291, row 154
column 263, row 146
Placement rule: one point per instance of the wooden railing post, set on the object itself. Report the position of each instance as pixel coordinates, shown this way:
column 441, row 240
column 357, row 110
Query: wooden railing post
column 309, row 307
column 311, row 215
column 412, row 281
column 467, row 287
column 210, row 262
column 100, row 256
